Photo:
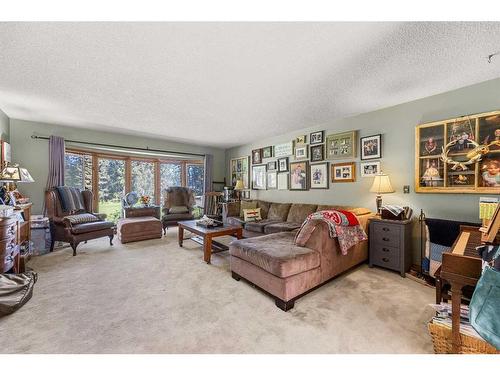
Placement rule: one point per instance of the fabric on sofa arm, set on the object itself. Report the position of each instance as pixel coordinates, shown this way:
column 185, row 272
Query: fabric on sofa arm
column 276, row 254
column 236, row 221
column 358, row 211
column 279, row 211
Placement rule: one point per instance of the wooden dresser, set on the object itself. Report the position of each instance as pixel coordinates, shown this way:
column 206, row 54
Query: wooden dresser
column 390, row 244
column 13, row 233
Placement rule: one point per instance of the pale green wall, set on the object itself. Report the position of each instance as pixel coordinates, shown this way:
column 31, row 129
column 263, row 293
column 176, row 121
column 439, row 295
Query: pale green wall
column 33, row 154
column 4, row 126
column 397, row 126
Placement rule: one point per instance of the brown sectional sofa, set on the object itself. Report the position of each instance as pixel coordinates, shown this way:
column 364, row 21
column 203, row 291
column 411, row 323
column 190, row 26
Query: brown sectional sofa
column 270, row 260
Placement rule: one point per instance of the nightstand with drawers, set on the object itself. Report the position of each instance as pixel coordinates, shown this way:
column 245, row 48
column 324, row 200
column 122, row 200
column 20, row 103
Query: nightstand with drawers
column 390, row 244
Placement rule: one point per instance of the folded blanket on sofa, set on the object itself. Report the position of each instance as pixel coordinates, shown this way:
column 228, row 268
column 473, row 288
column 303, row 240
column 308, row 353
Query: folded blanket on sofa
column 343, row 225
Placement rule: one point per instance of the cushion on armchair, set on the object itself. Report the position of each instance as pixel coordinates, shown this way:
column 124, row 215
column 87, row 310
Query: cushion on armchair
column 81, row 218
column 178, row 210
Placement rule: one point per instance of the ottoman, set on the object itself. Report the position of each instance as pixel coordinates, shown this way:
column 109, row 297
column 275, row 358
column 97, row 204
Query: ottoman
column 139, row 228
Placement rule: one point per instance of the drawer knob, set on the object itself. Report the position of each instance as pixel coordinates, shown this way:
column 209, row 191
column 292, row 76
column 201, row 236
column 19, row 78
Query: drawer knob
column 385, row 239
column 385, row 260
column 385, row 249
column 385, row 229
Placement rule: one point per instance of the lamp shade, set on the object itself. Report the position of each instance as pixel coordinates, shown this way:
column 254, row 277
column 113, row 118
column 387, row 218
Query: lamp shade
column 239, row 185
column 15, row 174
column 381, row 184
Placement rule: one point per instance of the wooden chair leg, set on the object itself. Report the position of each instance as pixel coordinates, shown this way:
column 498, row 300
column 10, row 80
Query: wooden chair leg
column 111, row 236
column 73, row 246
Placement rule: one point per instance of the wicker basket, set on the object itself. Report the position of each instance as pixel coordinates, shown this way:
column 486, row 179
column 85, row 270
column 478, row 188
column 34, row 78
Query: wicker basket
column 441, row 338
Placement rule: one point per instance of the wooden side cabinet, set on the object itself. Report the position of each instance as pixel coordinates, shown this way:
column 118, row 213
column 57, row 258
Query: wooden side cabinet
column 390, row 244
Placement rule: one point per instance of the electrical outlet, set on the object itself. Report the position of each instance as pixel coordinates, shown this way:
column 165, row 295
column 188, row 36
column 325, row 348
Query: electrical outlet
column 406, row 189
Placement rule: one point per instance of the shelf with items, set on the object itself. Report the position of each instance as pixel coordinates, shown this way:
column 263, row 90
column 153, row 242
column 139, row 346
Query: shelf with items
column 460, row 155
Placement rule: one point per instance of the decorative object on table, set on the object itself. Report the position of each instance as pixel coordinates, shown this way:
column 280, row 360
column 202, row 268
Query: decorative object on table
column 319, row 176
column 390, row 244
column 343, row 172
column 13, row 174
column 271, row 165
column 207, row 222
column 267, row 152
column 301, row 152
column 381, row 185
column 300, row 140
column 259, row 177
column 240, row 170
column 283, row 165
column 371, row 147
column 130, row 199
column 283, row 149
column 283, row 180
column 299, row 175
column 145, row 200
column 341, row 146
column 257, row 156
column 370, row 168
column 272, row 182
column 459, row 155
column 317, row 137
column 393, row 212
column 317, row 153
column 240, row 185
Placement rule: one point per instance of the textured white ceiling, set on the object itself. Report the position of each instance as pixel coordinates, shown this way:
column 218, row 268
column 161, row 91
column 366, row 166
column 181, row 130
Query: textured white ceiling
column 224, row 84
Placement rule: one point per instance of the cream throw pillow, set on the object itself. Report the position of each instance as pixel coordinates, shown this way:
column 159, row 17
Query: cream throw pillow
column 246, row 205
column 251, row 214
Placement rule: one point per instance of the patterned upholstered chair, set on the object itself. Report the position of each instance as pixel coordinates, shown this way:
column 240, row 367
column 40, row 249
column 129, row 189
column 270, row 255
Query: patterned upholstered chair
column 78, row 225
column 178, row 206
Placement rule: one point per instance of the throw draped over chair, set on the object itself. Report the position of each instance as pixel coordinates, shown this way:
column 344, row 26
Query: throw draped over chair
column 79, row 222
column 178, row 206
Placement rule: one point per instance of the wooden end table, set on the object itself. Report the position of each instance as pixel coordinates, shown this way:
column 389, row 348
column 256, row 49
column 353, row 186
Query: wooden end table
column 207, row 234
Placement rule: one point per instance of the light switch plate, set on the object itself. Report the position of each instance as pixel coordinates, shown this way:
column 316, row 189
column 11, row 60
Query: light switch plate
column 406, row 189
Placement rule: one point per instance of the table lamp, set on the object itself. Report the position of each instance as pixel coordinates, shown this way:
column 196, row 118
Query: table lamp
column 240, row 185
column 381, row 185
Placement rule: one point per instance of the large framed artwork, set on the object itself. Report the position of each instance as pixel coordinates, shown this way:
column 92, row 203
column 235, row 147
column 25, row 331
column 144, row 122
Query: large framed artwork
column 259, row 177
column 240, row 170
column 341, row 146
column 299, row 175
column 459, row 155
column 319, row 176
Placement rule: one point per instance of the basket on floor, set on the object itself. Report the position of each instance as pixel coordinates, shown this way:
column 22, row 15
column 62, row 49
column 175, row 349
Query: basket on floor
column 442, row 340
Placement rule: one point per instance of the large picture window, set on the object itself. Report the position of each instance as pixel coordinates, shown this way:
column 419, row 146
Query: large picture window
column 111, row 176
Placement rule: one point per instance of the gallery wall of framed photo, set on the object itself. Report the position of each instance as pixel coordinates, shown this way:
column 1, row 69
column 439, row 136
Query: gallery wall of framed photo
column 313, row 161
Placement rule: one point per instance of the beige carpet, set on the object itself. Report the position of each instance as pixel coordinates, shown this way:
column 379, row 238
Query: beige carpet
column 155, row 297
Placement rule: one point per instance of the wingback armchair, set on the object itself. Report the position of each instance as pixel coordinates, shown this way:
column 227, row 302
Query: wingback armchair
column 178, row 206
column 75, row 227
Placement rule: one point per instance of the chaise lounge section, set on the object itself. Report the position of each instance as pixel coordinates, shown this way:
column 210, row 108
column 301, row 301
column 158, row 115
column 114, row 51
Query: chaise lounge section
column 286, row 271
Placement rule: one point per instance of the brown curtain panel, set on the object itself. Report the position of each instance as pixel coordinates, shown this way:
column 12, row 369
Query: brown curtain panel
column 209, row 165
column 56, row 162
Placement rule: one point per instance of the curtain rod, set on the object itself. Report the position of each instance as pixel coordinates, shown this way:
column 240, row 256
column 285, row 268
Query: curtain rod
column 123, row 147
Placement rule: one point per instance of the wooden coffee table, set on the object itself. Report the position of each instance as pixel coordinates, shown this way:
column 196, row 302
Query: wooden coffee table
column 206, row 235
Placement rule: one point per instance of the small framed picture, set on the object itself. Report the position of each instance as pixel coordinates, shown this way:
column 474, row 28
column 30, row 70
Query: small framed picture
column 319, row 176
column 300, row 140
column 271, row 165
column 259, row 177
column 317, row 137
column 257, row 156
column 299, row 175
column 317, row 153
column 343, row 172
column 341, row 146
column 370, row 168
column 283, row 165
column 301, row 152
column 283, row 179
column 371, row 147
column 272, row 182
column 267, row 152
